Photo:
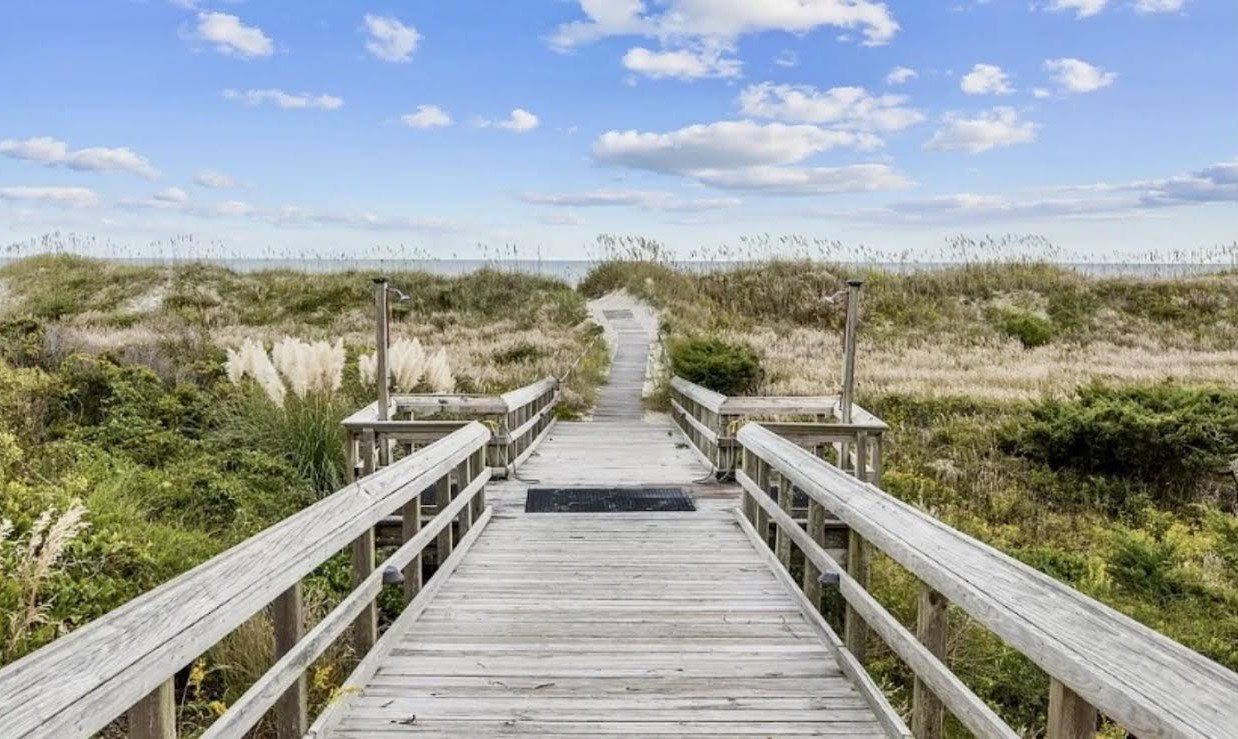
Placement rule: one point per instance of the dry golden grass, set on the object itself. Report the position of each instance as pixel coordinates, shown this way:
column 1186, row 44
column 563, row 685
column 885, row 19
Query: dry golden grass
column 804, row 361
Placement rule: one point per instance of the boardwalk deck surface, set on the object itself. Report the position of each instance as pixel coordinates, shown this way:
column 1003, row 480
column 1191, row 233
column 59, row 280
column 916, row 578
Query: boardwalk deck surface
column 571, row 624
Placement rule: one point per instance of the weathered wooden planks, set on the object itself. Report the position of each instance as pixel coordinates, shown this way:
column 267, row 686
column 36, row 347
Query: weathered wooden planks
column 598, row 625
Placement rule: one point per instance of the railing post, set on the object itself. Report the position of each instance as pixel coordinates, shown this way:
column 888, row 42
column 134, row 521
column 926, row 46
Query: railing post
column 816, row 531
column 410, row 524
column 854, row 629
column 479, row 500
column 1070, row 716
column 464, row 475
column 749, row 505
column 927, row 712
column 365, row 628
column 762, row 480
column 443, row 499
column 154, row 717
column 287, row 617
column 782, row 538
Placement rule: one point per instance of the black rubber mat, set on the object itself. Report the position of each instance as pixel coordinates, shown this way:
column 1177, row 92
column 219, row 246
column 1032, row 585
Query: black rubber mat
column 607, row 500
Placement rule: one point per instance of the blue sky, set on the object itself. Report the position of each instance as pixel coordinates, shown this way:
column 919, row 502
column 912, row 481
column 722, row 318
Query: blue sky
column 319, row 127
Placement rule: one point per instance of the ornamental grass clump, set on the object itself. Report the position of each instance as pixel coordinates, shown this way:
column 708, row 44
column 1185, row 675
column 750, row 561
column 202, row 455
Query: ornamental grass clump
column 410, row 368
column 28, row 561
column 316, row 367
column 250, row 360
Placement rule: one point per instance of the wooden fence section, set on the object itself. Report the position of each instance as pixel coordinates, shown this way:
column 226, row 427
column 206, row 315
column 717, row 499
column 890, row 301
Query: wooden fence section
column 1096, row 658
column 125, row 661
column 518, row 420
column 710, row 421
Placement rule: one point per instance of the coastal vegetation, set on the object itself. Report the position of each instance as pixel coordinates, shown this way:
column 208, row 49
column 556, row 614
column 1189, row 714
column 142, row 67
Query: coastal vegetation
column 1086, row 426
column 150, row 417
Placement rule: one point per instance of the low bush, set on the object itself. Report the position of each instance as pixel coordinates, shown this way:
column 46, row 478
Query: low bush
column 730, row 369
column 1163, row 433
column 1030, row 329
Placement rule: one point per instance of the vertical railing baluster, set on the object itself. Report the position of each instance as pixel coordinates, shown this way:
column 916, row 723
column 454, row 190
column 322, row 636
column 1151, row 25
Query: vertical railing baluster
column 927, row 712
column 854, row 629
column 479, row 501
column 410, row 524
column 1070, row 716
column 442, row 499
column 782, row 540
column 762, row 480
column 748, row 503
column 464, row 477
column 365, row 628
column 816, row 531
column 154, row 717
column 288, row 619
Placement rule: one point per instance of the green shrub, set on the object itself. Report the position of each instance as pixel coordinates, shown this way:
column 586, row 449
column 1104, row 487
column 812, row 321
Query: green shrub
column 1030, row 329
column 730, row 369
column 305, row 434
column 519, row 353
column 1160, row 433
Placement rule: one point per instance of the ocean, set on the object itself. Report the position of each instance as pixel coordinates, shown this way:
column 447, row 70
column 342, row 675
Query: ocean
column 573, row 271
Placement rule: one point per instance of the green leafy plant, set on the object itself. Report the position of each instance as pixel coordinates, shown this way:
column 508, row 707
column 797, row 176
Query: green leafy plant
column 727, row 368
column 1030, row 329
column 1162, row 433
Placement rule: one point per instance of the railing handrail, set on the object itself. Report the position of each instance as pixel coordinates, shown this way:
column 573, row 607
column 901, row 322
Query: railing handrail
column 706, row 397
column 79, row 683
column 775, row 405
column 1146, row 682
column 522, row 396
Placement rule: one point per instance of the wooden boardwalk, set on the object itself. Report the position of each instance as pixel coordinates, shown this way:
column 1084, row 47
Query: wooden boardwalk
column 659, row 624
column 615, row 624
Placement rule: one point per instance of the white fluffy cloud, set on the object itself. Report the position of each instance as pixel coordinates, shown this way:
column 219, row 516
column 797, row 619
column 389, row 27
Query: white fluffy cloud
column 986, row 79
column 426, row 116
column 901, row 76
column 807, row 180
column 1076, row 75
column 390, row 40
column 53, row 152
column 722, row 145
column 991, row 129
column 519, row 121
column 644, row 199
column 232, row 37
column 846, row 107
column 1081, row 8
column 1158, row 6
column 285, row 100
column 172, row 195
column 699, row 19
column 684, row 64
column 73, row 197
column 214, row 180
column 751, row 156
column 1215, row 184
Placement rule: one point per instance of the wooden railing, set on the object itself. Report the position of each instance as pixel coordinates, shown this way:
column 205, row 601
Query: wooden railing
column 124, row 662
column 518, row 419
column 710, row 421
column 1097, row 659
